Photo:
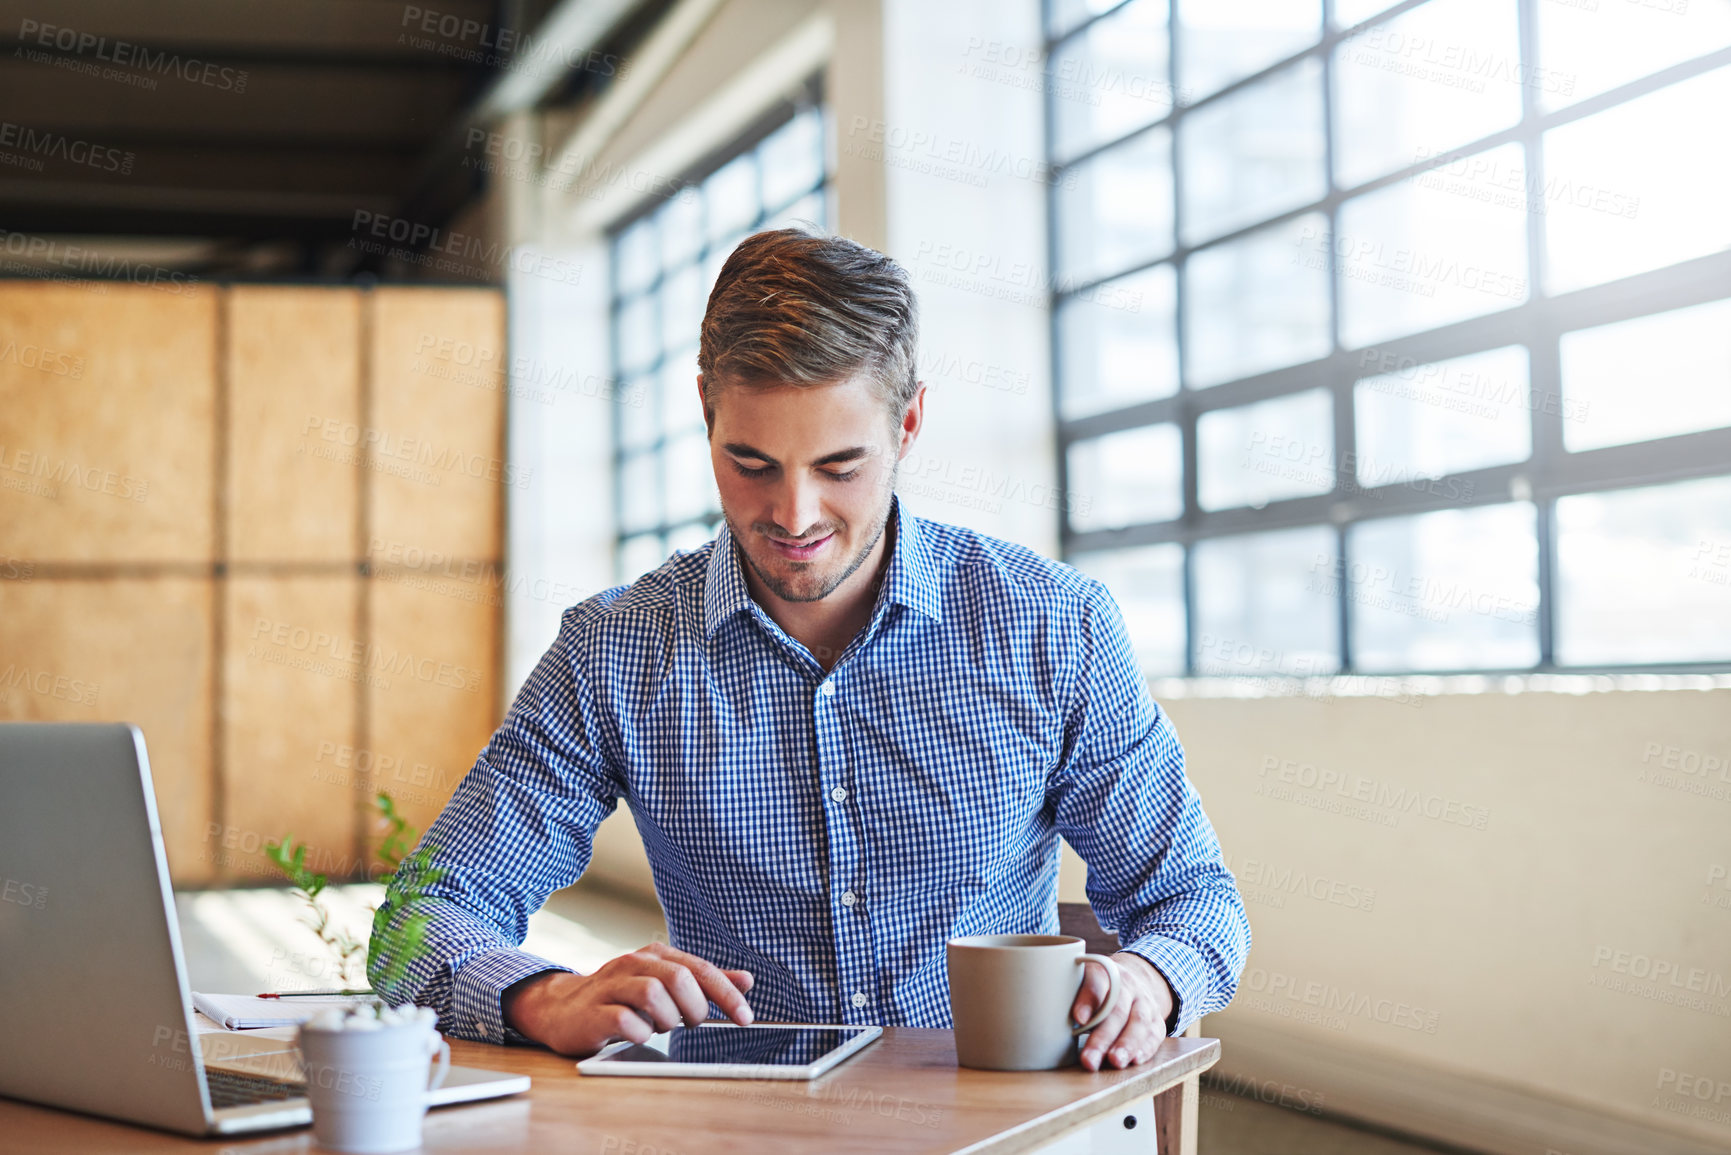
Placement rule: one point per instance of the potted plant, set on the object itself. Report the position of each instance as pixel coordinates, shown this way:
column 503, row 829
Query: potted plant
column 366, row 1067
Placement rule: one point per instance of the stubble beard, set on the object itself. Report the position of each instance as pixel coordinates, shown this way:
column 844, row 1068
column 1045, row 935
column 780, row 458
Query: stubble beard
column 804, row 585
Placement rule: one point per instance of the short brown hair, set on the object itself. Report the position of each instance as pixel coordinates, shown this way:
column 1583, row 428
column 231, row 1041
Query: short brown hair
column 802, row 308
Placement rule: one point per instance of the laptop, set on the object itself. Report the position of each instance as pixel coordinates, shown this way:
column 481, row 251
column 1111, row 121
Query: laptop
column 98, row 1014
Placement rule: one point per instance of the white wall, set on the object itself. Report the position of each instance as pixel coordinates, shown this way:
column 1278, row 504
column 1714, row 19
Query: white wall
column 1484, row 871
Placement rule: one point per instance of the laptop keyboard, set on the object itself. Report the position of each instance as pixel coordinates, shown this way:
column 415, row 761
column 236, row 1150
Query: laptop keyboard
column 233, row 1089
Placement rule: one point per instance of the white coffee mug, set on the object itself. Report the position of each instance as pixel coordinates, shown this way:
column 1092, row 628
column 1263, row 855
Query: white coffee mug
column 369, row 1088
column 1010, row 999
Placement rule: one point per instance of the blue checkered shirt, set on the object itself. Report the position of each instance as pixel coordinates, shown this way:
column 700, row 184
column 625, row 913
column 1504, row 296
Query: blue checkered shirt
column 829, row 831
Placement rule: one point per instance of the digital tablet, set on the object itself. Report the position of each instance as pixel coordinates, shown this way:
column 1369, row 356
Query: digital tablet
column 730, row 1051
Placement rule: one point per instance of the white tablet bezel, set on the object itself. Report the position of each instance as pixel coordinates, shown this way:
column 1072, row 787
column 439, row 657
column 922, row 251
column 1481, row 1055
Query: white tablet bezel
column 601, row 1064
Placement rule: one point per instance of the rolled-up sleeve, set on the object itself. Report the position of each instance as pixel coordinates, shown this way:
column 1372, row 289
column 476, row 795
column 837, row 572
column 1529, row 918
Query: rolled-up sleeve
column 520, row 826
column 1122, row 800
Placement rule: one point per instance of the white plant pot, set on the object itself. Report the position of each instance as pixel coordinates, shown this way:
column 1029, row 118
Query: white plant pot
column 369, row 1088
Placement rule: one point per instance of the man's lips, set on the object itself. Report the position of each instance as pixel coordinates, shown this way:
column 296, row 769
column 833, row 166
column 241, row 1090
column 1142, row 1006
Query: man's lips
column 799, row 552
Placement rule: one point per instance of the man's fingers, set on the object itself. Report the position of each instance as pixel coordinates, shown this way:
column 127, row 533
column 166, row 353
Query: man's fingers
column 1091, row 995
column 648, row 994
column 624, row 1022
column 741, row 979
column 719, row 988
column 1135, row 1044
column 696, row 982
column 682, row 988
column 1106, row 1034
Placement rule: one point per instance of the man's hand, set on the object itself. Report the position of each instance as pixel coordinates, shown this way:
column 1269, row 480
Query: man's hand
column 1137, row 1023
column 655, row 988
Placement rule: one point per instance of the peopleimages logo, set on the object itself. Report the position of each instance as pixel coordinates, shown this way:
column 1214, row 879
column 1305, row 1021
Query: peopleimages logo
column 125, row 54
column 1275, row 992
column 1359, row 788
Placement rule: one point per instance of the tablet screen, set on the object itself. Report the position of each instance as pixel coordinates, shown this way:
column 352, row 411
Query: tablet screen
column 758, row 1046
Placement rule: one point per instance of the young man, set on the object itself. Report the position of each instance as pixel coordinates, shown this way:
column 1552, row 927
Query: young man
column 846, row 735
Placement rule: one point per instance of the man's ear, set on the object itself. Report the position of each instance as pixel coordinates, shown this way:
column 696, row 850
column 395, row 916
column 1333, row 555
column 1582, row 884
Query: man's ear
column 708, row 414
column 912, row 421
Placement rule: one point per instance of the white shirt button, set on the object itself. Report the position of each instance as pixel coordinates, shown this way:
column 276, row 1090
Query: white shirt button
column 826, row 689
column 847, row 898
column 839, row 794
column 859, row 999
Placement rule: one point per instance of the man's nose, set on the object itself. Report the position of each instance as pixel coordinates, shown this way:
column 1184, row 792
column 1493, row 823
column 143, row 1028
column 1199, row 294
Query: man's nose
column 795, row 510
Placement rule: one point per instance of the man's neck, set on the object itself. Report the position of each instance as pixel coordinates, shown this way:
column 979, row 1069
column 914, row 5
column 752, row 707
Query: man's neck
column 826, row 626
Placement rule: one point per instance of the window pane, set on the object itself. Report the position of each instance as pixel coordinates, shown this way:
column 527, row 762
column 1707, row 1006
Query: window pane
column 682, row 301
column 1434, row 78
column 691, row 536
column 1255, row 153
column 718, row 254
column 680, row 222
column 1148, row 585
column 1265, row 452
column 1226, row 40
column 1110, row 79
column 1264, row 603
column 807, row 210
column 681, row 408
column 1126, row 478
column 640, row 420
column 1424, row 253
column 1115, row 209
column 792, row 159
column 1454, row 590
column 1118, row 343
column 1426, row 421
column 1066, row 14
column 636, row 259
column 1257, row 303
column 637, row 344
column 1587, row 49
column 639, row 493
column 690, row 478
column 1350, row 12
column 639, row 555
column 1644, row 575
column 730, row 195
column 1639, row 186
column 1651, row 377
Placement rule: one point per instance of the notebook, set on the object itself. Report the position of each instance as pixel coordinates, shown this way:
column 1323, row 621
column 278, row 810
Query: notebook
column 244, row 1012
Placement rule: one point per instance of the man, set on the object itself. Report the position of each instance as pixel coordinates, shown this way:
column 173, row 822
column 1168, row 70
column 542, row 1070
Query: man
column 846, row 735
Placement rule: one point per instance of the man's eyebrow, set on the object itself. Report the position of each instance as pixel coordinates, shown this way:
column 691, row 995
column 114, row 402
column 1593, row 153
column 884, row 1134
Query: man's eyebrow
column 853, row 453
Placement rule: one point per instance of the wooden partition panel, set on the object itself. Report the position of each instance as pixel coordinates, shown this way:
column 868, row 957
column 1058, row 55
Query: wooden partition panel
column 435, row 535
column 295, row 423
column 291, row 665
column 107, row 422
column 123, row 649
column 438, row 430
column 230, row 515
column 434, row 699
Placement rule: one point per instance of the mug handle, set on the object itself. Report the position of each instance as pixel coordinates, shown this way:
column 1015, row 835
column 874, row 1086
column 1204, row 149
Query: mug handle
column 436, row 1078
column 1113, row 978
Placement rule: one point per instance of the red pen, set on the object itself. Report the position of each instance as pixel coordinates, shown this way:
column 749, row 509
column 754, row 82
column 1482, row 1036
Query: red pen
column 309, row 994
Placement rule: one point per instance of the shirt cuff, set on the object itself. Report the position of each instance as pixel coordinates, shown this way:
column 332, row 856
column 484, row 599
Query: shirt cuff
column 1184, row 970
column 476, row 1010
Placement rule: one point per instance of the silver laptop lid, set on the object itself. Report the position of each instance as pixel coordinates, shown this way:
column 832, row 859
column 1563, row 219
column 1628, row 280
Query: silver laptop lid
column 98, row 1015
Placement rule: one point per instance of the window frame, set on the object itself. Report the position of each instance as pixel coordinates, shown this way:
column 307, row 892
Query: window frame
column 1538, row 324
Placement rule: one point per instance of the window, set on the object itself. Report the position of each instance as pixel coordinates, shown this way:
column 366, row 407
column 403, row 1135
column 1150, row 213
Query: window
column 664, row 262
column 1393, row 337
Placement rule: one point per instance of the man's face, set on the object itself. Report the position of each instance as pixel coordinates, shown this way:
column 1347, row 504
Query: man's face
column 806, row 475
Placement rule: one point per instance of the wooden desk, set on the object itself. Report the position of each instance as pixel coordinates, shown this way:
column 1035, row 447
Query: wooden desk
column 904, row 1093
